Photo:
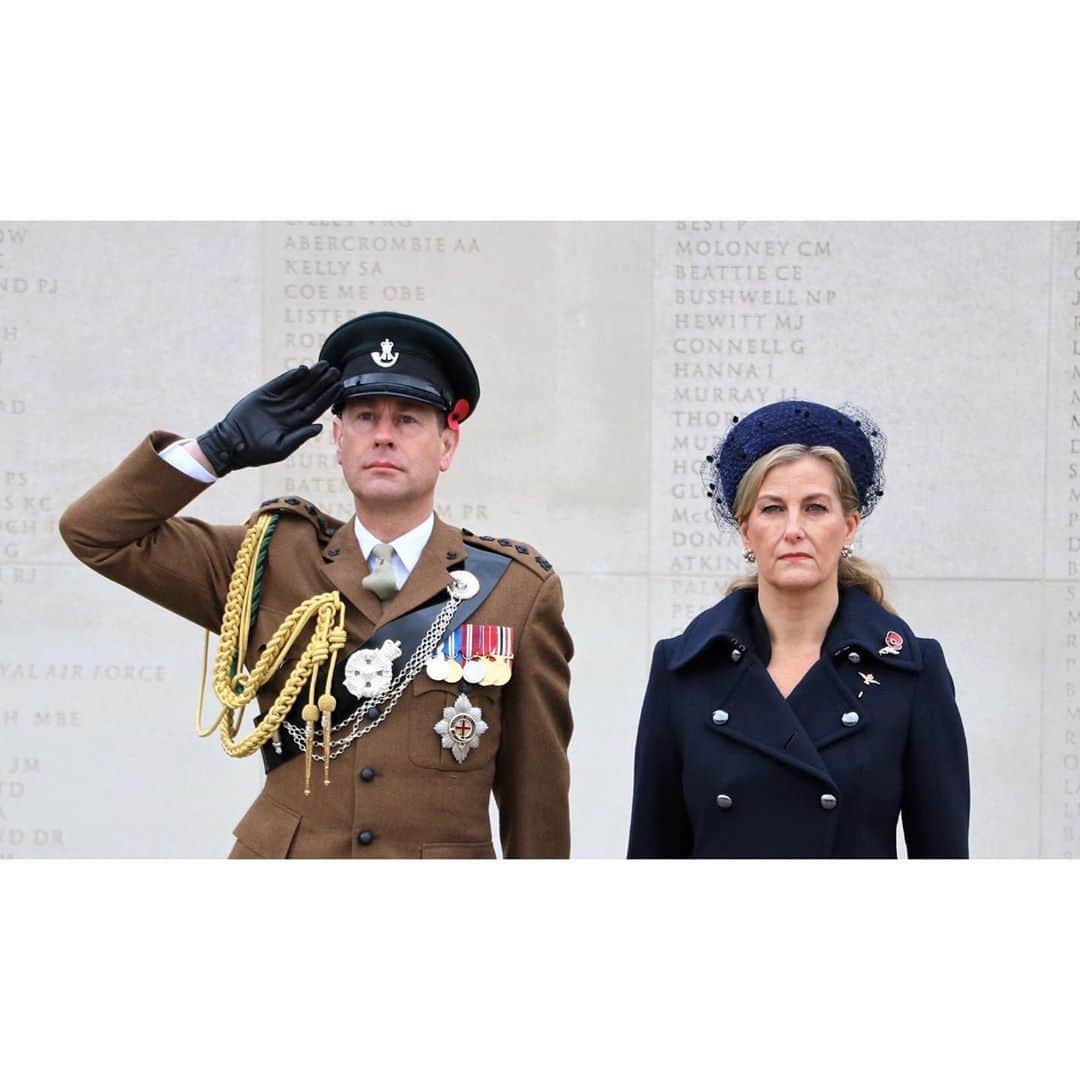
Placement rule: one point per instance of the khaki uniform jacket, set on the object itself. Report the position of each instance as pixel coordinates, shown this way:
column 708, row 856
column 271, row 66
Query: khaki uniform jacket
column 419, row 802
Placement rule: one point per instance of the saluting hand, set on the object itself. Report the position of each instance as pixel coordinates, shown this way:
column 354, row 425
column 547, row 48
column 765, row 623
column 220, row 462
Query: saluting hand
column 271, row 422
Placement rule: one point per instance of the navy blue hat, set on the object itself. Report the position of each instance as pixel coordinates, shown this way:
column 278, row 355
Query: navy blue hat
column 849, row 430
column 398, row 355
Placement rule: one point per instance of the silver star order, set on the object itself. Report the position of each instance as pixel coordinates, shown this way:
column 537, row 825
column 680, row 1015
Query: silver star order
column 470, row 726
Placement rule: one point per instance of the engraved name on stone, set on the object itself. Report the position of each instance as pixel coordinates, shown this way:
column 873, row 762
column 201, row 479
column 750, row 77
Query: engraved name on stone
column 36, row 671
column 462, row 513
column 1072, row 535
column 9, row 338
column 329, row 273
column 1069, row 744
column 21, row 839
column 1074, row 297
column 736, row 312
column 16, row 281
column 52, row 718
column 18, row 772
column 343, row 271
column 41, row 286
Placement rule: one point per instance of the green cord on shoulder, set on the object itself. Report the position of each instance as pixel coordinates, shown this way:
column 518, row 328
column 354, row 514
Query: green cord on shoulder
column 256, row 589
column 260, row 566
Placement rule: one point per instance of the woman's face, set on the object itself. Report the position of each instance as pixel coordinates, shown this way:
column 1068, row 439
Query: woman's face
column 797, row 525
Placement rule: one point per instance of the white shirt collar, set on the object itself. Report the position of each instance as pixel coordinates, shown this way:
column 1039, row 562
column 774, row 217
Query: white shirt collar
column 407, row 548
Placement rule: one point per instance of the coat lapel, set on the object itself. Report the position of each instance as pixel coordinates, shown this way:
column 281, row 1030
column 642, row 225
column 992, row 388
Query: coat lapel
column 794, row 730
column 862, row 624
column 821, row 701
column 758, row 716
column 346, row 567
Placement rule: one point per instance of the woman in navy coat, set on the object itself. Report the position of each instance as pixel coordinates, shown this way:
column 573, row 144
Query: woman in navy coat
column 800, row 716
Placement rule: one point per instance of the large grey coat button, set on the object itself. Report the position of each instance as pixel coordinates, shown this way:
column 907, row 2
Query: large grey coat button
column 725, row 802
column 854, row 657
column 849, row 719
column 736, row 655
column 828, row 802
column 719, row 717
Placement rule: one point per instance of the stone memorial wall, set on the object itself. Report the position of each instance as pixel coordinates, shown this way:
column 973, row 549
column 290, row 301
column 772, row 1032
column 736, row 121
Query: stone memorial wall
column 610, row 357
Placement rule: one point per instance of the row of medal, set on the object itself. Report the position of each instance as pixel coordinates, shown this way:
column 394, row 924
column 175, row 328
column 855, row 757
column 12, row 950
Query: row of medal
column 481, row 655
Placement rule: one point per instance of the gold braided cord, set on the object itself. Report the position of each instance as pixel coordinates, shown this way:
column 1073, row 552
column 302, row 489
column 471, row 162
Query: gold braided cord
column 235, row 689
column 202, row 693
column 234, row 625
column 322, row 608
column 327, row 703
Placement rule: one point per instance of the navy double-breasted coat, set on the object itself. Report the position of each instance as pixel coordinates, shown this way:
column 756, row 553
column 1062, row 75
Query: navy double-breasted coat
column 726, row 767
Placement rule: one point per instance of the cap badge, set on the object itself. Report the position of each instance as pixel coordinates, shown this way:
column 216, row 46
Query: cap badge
column 387, row 358
column 893, row 644
column 461, row 728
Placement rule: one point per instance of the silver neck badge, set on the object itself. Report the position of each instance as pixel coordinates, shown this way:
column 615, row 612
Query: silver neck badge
column 369, row 672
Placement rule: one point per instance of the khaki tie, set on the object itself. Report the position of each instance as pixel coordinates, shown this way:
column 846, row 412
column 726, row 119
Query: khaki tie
column 381, row 580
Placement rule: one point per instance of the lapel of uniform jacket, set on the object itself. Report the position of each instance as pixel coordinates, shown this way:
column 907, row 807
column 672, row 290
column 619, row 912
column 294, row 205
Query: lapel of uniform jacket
column 756, row 713
column 431, row 574
column 346, row 567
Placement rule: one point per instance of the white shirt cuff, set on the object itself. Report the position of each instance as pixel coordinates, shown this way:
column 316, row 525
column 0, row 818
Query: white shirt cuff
column 179, row 458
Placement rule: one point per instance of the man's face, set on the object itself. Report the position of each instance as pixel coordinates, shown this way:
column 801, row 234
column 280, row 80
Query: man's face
column 391, row 451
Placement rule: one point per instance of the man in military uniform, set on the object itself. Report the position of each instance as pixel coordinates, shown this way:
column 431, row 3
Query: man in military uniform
column 448, row 676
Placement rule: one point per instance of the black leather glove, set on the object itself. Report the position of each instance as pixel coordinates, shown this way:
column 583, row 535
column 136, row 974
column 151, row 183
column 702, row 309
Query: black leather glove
column 270, row 423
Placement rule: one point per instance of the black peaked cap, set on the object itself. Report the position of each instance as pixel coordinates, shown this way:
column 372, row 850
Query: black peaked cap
column 390, row 353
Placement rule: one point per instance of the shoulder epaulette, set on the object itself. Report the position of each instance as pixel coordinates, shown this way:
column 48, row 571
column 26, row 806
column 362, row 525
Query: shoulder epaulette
column 324, row 524
column 515, row 549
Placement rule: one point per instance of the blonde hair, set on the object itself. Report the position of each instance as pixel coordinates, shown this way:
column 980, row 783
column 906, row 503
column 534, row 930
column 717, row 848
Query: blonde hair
column 853, row 570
